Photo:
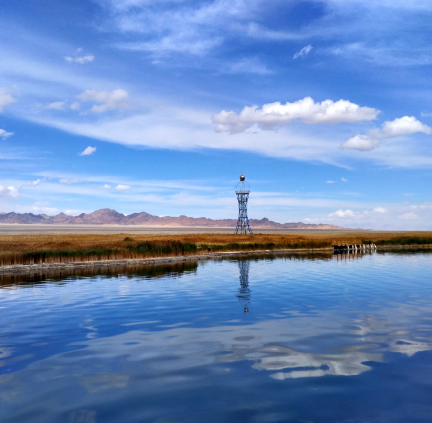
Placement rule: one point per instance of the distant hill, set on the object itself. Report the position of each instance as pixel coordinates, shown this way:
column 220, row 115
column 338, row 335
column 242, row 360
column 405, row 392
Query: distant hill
column 112, row 217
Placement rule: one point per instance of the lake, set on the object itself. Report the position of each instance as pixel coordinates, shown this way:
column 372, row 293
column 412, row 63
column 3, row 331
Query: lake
column 294, row 338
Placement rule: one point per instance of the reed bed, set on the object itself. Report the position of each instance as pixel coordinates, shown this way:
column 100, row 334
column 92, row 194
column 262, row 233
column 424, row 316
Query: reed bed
column 405, row 240
column 33, row 249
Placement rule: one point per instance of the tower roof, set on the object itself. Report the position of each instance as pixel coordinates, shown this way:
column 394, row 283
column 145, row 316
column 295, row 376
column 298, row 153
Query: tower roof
column 242, row 187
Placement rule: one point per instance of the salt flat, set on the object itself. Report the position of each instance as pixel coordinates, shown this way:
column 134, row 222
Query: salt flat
column 22, row 229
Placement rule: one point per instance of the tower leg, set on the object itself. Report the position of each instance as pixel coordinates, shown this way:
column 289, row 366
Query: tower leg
column 243, row 227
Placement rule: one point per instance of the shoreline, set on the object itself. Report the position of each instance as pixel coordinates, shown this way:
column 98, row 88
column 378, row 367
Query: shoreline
column 27, row 269
column 151, row 261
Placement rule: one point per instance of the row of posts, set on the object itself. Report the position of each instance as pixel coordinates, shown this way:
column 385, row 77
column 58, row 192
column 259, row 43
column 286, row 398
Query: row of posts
column 354, row 248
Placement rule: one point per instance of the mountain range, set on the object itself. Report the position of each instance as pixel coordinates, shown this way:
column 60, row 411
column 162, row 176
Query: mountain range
column 112, row 217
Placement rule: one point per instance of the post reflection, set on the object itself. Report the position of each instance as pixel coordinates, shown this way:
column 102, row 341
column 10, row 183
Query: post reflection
column 354, row 255
column 244, row 291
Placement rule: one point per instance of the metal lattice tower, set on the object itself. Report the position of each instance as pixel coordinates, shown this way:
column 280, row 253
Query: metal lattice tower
column 242, row 191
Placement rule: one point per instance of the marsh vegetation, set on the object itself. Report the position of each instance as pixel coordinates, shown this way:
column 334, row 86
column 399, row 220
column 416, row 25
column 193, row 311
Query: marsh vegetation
column 30, row 249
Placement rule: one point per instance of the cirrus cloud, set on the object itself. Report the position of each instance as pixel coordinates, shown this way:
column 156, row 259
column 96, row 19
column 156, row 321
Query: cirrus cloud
column 4, row 134
column 35, row 183
column 122, row 187
column 69, row 181
column 81, row 60
column 304, row 110
column 303, row 52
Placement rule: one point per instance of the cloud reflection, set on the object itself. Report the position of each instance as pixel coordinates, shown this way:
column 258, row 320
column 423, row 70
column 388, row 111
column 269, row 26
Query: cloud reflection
column 304, row 364
column 281, row 347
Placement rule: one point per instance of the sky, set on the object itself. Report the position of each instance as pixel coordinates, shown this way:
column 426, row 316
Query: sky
column 159, row 106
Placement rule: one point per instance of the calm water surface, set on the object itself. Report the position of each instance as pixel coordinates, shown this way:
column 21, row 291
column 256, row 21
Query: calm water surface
column 289, row 339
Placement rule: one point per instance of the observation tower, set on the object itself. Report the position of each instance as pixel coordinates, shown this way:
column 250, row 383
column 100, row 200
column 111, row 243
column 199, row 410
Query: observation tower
column 242, row 191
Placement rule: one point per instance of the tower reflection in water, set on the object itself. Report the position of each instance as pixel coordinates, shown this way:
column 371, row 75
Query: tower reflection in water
column 244, row 291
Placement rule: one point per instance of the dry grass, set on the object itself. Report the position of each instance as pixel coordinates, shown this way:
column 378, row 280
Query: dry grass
column 14, row 248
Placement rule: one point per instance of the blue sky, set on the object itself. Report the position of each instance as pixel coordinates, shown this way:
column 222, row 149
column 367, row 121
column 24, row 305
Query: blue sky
column 158, row 106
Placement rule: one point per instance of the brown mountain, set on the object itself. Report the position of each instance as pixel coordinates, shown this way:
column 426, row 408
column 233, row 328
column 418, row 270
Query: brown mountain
column 112, row 217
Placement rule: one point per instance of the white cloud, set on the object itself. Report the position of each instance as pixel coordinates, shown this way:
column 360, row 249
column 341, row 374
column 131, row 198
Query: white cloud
column 10, row 191
column 176, row 127
column 89, row 150
column 75, row 105
column 4, row 134
column 181, row 128
column 380, row 210
column 344, row 213
column 361, row 143
column 81, row 60
column 344, row 180
column 58, row 105
column 69, row 181
column 105, row 186
column 5, row 98
column 305, row 110
column 330, row 182
column 40, row 207
column 34, row 183
column 405, row 125
column 122, row 187
column 109, row 100
column 402, row 216
column 303, row 52
column 424, row 206
column 426, row 114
